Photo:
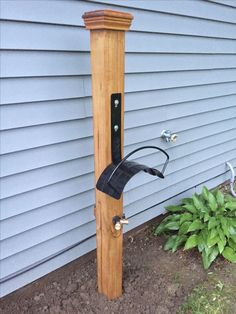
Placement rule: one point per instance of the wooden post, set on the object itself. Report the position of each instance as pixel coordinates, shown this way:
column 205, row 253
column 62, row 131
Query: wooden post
column 107, row 37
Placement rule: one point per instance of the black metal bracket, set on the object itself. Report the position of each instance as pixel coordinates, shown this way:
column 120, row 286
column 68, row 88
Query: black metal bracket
column 116, row 127
column 113, row 179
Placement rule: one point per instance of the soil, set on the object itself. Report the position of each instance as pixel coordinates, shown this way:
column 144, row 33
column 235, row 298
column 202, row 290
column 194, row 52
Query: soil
column 154, row 281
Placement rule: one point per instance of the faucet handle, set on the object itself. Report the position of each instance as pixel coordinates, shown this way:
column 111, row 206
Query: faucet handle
column 173, row 137
column 124, row 220
column 119, row 222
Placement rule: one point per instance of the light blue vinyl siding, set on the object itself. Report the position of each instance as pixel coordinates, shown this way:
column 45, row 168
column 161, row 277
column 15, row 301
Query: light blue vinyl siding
column 182, row 77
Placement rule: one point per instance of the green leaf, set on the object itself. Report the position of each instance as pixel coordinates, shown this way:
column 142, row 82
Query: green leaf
column 170, row 243
column 233, row 237
column 191, row 208
column 174, row 217
column 180, row 239
column 187, row 201
column 232, row 244
column 213, row 241
column 212, row 223
column 229, row 198
column 159, row 229
column 201, row 214
column 229, row 254
column 213, row 254
column 224, row 226
column 197, row 203
column 231, row 205
column 221, row 246
column 172, row 225
column 221, row 235
column 185, row 217
column 212, row 202
column 184, row 227
column 168, row 218
column 232, row 230
column 213, row 233
column 220, row 198
column 162, row 226
column 171, row 217
column 200, row 242
column 191, row 242
column 206, row 217
column 222, row 209
column 196, row 225
column 173, row 208
column 232, row 222
column 205, row 193
column 205, row 259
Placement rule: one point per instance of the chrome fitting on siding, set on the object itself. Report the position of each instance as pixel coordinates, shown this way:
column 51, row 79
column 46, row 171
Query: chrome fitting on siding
column 168, row 136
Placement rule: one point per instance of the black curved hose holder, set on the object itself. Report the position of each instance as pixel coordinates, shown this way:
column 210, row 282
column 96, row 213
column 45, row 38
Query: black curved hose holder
column 113, row 179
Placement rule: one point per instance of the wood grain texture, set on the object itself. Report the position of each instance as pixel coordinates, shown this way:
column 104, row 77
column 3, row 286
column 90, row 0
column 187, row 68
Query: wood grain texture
column 107, row 19
column 107, row 56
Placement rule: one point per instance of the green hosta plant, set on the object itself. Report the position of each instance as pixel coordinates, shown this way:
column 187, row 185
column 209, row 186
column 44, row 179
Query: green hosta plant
column 206, row 221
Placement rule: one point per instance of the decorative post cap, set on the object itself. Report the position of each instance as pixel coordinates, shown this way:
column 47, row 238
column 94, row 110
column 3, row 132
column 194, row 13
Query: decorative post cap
column 107, row 19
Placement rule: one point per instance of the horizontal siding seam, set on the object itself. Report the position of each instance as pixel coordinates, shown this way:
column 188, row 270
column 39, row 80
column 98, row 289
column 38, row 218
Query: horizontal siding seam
column 222, row 4
column 132, row 30
column 25, row 269
column 126, row 52
column 126, row 92
column 48, row 239
column 134, row 110
column 127, row 73
column 184, row 35
column 171, row 13
column 53, row 221
column 191, row 115
column 49, row 204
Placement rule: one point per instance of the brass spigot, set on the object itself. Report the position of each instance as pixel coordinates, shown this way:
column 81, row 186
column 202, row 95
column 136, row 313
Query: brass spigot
column 119, row 222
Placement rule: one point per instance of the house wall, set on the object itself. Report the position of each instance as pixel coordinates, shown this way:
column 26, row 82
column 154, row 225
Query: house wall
column 180, row 75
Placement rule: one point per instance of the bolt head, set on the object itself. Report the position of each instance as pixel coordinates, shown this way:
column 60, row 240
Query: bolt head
column 116, row 127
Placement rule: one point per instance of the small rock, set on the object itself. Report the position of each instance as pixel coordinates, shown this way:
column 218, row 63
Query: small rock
column 38, row 297
column 83, row 295
column 162, row 310
column 82, row 287
column 193, row 266
column 172, row 289
column 45, row 308
column 55, row 283
column 75, row 303
column 55, row 309
column 71, row 288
